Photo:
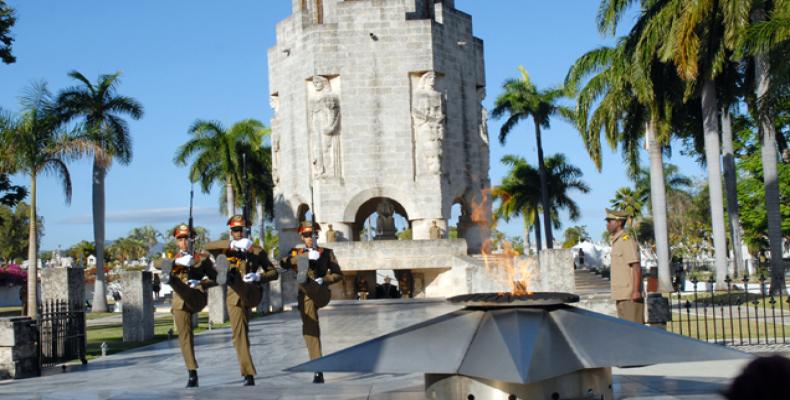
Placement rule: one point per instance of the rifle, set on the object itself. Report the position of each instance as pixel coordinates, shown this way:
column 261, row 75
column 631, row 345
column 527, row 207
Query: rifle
column 312, row 217
column 191, row 239
column 245, row 209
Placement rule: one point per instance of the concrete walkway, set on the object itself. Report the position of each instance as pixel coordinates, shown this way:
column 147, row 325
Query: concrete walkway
column 157, row 371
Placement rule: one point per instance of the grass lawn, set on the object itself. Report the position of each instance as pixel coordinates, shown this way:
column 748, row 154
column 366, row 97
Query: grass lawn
column 740, row 328
column 96, row 315
column 113, row 334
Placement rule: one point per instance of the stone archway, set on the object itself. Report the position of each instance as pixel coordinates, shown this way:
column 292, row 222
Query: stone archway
column 383, row 207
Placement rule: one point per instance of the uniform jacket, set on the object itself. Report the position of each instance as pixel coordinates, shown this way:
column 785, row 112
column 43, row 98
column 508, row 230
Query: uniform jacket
column 625, row 251
column 202, row 268
column 325, row 267
column 255, row 261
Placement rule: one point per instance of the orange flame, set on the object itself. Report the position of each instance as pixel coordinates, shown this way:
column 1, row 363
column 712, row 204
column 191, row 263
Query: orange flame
column 506, row 266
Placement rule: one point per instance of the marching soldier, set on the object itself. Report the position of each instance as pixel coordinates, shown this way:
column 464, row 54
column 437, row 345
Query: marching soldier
column 313, row 279
column 189, row 277
column 244, row 268
column 626, row 269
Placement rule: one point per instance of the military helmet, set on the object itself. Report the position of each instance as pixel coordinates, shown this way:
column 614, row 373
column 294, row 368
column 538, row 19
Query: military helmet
column 307, row 226
column 618, row 215
column 236, row 221
column 181, row 231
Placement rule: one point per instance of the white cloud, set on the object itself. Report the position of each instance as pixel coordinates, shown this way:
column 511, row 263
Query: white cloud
column 148, row 216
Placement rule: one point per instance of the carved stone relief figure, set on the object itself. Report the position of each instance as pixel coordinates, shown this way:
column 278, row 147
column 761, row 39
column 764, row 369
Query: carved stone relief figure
column 428, row 115
column 274, row 103
column 385, row 223
column 325, row 129
column 481, row 93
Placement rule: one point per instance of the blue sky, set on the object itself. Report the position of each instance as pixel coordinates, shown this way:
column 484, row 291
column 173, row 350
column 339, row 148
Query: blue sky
column 207, row 59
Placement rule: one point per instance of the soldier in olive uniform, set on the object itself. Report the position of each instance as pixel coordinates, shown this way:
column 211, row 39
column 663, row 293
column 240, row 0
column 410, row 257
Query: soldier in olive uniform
column 626, row 269
column 189, row 276
column 244, row 268
column 313, row 278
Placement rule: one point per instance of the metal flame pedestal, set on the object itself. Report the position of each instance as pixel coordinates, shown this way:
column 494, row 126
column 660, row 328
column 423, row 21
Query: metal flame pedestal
column 594, row 383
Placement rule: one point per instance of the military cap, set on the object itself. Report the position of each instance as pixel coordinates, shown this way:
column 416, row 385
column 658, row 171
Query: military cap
column 181, row 231
column 616, row 215
column 307, row 226
column 236, row 221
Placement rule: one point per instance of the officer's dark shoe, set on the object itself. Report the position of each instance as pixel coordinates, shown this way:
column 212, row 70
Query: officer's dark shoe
column 318, row 377
column 302, row 266
column 221, row 266
column 193, row 379
column 249, row 380
column 166, row 269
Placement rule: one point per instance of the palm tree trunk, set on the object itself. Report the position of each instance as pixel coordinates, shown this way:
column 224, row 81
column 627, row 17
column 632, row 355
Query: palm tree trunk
column 230, row 199
column 710, row 126
column 99, row 287
column 731, row 185
column 527, row 225
column 32, row 253
column 658, row 199
column 538, row 238
column 261, row 222
column 769, row 155
column 544, row 191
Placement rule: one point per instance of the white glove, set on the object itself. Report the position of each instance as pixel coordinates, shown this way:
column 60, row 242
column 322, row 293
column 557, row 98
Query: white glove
column 241, row 244
column 193, row 283
column 319, row 281
column 185, row 260
column 251, row 277
column 313, row 254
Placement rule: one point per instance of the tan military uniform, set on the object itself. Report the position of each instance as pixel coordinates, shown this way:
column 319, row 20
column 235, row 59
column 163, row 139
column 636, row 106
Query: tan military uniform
column 312, row 296
column 243, row 296
column 188, row 301
column 625, row 251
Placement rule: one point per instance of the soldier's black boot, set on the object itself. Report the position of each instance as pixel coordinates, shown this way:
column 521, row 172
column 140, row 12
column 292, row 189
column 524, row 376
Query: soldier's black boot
column 221, row 266
column 193, row 379
column 318, row 377
column 249, row 380
column 166, row 269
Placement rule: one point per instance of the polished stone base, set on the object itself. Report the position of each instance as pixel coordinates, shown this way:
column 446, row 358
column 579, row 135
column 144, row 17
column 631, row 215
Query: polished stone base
column 158, row 371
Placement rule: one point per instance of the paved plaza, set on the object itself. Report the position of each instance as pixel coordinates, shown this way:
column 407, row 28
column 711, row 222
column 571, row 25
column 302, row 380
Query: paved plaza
column 157, row 371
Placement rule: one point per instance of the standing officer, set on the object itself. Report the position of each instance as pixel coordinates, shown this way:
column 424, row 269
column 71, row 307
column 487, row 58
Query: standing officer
column 313, row 278
column 244, row 268
column 626, row 269
column 189, row 277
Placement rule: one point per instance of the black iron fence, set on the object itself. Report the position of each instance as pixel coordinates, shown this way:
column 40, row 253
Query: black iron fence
column 62, row 333
column 743, row 314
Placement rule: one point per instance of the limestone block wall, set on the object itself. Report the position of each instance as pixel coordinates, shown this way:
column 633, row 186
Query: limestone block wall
column 19, row 356
column 373, row 54
column 66, row 284
column 138, row 311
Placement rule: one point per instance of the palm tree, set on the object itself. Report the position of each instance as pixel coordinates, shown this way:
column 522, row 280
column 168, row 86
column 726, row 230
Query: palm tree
column 698, row 38
column 523, row 100
column 624, row 96
column 574, row 235
column 258, row 180
column 102, row 111
column 563, row 177
column 40, row 146
column 519, row 195
column 768, row 41
column 630, row 201
column 216, row 155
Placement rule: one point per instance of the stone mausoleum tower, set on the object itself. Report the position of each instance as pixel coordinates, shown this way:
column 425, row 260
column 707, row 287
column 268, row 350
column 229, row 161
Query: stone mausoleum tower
column 377, row 108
